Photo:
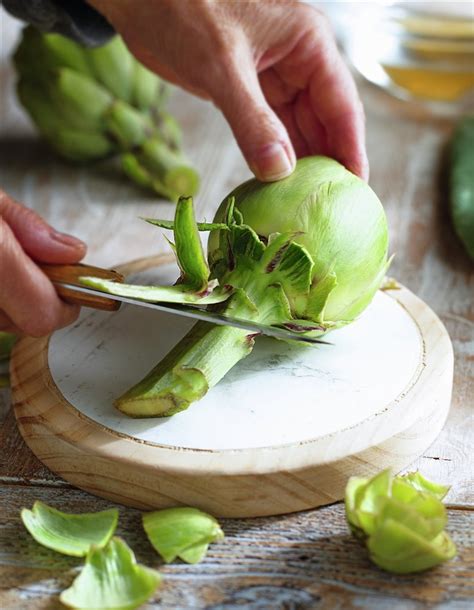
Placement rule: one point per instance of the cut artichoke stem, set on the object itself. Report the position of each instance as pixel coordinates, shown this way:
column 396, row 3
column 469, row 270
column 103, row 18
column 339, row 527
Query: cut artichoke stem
column 129, row 126
column 156, row 166
column 197, row 363
column 169, row 167
column 202, row 358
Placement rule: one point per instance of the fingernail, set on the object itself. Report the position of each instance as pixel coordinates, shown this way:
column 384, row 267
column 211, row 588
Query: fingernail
column 67, row 240
column 272, row 163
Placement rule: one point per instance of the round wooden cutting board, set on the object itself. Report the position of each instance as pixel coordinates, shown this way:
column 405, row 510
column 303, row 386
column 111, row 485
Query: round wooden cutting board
column 281, row 432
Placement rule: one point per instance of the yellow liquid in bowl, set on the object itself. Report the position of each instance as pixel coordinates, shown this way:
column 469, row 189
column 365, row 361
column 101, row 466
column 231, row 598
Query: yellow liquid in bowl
column 436, row 85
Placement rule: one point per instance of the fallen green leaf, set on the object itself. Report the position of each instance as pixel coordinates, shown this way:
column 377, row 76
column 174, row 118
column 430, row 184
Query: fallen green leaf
column 66, row 533
column 111, row 580
column 181, row 532
column 416, row 480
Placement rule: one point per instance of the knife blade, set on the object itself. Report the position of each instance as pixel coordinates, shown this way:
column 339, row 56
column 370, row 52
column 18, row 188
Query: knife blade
column 64, row 278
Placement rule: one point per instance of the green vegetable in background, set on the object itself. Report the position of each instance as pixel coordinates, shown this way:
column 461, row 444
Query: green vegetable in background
column 307, row 253
column 66, row 533
column 111, row 580
column 7, row 341
column 4, row 381
column 401, row 519
column 462, row 183
column 94, row 103
column 181, row 532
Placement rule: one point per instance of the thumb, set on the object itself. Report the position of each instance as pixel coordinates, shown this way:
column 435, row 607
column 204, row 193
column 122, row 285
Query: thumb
column 260, row 134
column 37, row 238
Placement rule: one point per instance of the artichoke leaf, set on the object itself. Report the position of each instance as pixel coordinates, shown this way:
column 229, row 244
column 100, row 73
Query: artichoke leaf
column 189, row 252
column 70, row 534
column 290, row 265
column 417, row 481
column 396, row 548
column 111, row 580
column 182, row 532
column 427, row 523
column 179, row 293
column 202, row 226
column 319, row 295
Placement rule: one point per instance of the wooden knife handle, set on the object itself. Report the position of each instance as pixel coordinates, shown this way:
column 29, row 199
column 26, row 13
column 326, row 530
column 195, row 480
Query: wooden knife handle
column 70, row 274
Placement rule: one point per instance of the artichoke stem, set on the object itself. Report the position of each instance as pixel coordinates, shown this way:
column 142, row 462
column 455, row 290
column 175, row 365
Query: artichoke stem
column 156, row 166
column 196, row 364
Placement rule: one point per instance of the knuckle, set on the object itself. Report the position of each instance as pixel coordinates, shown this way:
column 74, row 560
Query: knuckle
column 44, row 319
column 36, row 326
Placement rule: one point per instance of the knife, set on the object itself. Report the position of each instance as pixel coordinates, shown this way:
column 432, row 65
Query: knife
column 66, row 281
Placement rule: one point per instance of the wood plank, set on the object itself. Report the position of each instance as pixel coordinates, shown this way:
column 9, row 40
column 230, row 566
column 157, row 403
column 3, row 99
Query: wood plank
column 300, row 561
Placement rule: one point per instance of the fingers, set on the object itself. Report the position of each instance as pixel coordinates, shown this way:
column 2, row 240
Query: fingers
column 309, row 125
column 37, row 238
column 28, row 300
column 262, row 137
column 327, row 108
column 287, row 117
column 335, row 100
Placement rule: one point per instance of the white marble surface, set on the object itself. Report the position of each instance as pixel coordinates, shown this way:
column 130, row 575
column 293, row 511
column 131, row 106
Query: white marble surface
column 279, row 394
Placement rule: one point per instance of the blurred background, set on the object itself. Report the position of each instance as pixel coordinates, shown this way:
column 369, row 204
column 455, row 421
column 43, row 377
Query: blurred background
column 418, row 51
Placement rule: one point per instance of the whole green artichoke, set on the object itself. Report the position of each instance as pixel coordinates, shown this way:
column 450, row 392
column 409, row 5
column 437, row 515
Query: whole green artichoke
column 94, row 103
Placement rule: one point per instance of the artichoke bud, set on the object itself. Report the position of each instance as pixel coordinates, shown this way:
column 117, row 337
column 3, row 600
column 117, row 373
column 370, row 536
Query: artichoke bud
column 92, row 103
column 43, row 113
column 339, row 221
column 38, row 54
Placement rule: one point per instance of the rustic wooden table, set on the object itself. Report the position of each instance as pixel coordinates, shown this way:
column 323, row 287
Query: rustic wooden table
column 301, row 561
